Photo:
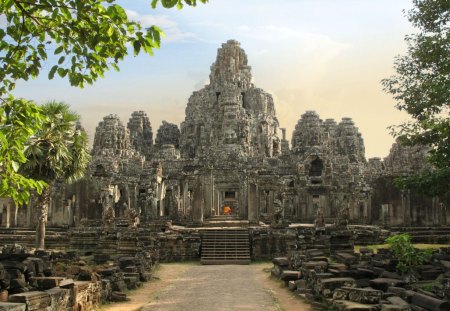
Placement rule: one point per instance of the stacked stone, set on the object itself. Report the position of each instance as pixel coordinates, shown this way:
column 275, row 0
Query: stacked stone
column 30, row 283
column 366, row 281
column 177, row 246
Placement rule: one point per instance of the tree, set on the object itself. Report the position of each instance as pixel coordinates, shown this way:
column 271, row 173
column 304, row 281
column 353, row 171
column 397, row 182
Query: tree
column 421, row 87
column 407, row 256
column 78, row 40
column 58, row 151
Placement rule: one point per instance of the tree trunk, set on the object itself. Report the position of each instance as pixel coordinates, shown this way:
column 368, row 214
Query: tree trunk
column 42, row 208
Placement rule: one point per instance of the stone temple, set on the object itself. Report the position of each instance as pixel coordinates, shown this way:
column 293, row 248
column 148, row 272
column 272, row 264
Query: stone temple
column 231, row 159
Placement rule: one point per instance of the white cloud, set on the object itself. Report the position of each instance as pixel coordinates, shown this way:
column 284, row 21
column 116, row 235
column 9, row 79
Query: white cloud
column 170, row 27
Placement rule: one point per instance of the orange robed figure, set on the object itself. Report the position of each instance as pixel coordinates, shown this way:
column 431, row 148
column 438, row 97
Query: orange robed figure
column 226, row 210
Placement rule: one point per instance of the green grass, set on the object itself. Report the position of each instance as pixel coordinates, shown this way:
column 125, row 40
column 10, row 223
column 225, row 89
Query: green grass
column 419, row 246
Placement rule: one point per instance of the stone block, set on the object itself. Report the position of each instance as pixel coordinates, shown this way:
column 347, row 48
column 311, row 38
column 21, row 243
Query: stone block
column 312, row 265
column 145, row 277
column 391, row 307
column 344, row 305
column 130, row 269
column 43, row 283
column 364, row 295
column 9, row 306
column 118, row 297
column 430, row 303
column 326, row 287
column 101, row 258
column 395, row 300
column 292, row 285
column 34, row 300
column 108, row 272
column 289, row 275
column 126, row 261
column 17, row 283
column 59, row 298
column 384, row 283
column 281, row 261
column 345, row 258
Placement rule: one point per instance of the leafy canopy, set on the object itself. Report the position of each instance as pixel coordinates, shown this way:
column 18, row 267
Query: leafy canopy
column 75, row 39
column 58, row 150
column 421, row 87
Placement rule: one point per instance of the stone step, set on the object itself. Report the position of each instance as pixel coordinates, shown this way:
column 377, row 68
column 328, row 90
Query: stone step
column 225, row 246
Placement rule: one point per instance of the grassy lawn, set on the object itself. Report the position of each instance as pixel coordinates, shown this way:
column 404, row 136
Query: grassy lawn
column 419, row 246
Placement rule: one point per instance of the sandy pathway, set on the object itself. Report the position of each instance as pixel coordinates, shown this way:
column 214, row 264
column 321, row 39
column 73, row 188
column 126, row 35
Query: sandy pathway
column 196, row 287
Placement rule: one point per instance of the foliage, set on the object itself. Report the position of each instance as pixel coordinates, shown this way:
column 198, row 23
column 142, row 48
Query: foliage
column 19, row 119
column 421, row 88
column 59, row 149
column 78, row 40
column 407, row 255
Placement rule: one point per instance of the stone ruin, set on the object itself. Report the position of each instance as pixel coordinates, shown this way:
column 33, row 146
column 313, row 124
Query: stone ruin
column 228, row 152
column 230, row 160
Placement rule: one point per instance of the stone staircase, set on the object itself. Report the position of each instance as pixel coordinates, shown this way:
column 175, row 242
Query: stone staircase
column 225, row 221
column 225, row 246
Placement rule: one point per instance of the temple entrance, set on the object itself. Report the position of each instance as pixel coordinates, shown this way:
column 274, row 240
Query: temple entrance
column 226, row 203
column 229, row 203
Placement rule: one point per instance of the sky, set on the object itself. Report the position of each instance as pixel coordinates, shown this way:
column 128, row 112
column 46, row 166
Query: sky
column 322, row 55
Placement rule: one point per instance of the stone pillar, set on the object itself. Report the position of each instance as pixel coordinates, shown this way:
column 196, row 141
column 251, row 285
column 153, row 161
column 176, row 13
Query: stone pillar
column 198, row 201
column 8, row 215
column 253, row 210
column 208, row 195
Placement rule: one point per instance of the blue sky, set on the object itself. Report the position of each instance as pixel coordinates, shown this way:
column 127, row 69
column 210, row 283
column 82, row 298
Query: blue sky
column 323, row 55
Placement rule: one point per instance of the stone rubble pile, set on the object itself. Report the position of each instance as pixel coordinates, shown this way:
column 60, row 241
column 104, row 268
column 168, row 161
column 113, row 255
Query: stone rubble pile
column 365, row 280
column 54, row 281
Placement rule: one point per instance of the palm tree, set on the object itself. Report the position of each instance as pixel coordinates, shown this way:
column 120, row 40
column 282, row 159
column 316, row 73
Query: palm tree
column 56, row 152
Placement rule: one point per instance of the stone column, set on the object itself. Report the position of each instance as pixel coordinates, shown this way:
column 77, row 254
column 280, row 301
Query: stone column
column 208, row 195
column 8, row 215
column 253, row 209
column 198, row 201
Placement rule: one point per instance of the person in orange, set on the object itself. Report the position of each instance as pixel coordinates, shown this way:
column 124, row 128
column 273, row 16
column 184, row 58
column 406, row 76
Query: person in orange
column 226, row 210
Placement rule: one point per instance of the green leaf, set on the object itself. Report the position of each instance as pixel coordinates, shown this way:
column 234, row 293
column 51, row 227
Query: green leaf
column 52, row 72
column 59, row 49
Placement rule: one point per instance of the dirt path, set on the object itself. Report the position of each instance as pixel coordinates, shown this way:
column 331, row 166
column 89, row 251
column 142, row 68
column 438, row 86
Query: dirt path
column 226, row 287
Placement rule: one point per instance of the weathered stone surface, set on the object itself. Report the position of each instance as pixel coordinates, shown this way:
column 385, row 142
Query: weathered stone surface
column 34, row 300
column 326, row 287
column 9, row 306
column 43, row 283
column 430, row 303
column 384, row 283
column 342, row 305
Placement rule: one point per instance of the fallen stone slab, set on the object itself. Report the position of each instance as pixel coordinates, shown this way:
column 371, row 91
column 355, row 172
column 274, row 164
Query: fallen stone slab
column 391, row 307
column 326, row 287
column 34, row 300
column 281, row 261
column 345, row 258
column 384, row 283
column 118, row 297
column 312, row 265
column 395, row 300
column 364, row 295
column 344, row 305
column 290, row 275
column 430, row 303
column 10, row 306
column 43, row 283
